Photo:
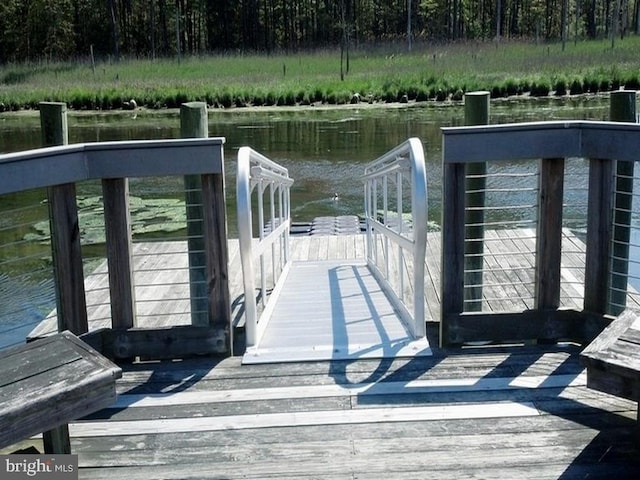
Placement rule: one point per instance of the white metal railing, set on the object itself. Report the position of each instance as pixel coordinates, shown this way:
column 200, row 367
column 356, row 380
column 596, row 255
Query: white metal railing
column 257, row 175
column 391, row 231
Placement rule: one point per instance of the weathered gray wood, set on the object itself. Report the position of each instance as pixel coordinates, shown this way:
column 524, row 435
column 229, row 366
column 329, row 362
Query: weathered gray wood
column 165, row 343
column 525, row 141
column 118, row 242
column 476, row 112
column 65, row 231
column 549, row 234
column 572, row 432
column 194, row 124
column 452, row 246
column 216, row 253
column 510, row 327
column 162, row 280
column 599, row 234
column 613, row 358
column 53, row 124
column 79, row 162
column 67, row 259
column 64, row 380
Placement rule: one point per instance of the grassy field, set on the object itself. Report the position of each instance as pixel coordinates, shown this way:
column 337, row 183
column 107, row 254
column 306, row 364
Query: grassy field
column 427, row 73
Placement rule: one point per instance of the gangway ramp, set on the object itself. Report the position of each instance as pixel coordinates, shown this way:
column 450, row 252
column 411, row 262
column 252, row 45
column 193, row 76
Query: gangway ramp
column 372, row 307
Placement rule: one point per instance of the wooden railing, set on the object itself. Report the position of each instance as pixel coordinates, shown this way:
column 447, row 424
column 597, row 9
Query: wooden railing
column 396, row 219
column 60, row 168
column 258, row 175
column 552, row 143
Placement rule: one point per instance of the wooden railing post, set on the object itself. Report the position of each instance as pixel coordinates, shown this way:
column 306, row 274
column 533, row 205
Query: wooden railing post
column 66, row 252
column 621, row 109
column 65, row 232
column 452, row 247
column 216, row 256
column 476, row 112
column 549, row 235
column 194, row 124
column 599, row 234
column 117, row 225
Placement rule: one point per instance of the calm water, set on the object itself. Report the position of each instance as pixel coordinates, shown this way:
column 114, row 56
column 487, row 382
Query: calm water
column 324, row 149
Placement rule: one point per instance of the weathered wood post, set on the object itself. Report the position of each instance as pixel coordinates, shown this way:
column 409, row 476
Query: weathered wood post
column 194, row 124
column 476, row 112
column 66, row 253
column 65, row 233
column 622, row 108
column 549, row 234
column 117, row 226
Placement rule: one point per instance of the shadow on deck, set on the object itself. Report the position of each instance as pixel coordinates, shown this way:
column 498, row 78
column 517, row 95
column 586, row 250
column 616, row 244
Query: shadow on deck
column 486, row 412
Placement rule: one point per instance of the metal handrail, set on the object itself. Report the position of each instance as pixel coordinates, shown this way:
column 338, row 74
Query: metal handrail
column 255, row 171
column 406, row 159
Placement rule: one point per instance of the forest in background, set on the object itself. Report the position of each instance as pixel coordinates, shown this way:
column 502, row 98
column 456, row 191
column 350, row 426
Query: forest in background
column 58, row 30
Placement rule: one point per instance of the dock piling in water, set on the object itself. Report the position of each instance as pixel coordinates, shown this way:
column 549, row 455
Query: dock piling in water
column 65, row 237
column 193, row 124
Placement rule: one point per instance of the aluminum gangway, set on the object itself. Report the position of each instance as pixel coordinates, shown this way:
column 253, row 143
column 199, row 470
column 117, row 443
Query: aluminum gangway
column 372, row 307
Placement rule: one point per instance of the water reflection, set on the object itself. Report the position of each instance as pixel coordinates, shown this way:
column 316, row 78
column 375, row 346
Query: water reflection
column 324, row 149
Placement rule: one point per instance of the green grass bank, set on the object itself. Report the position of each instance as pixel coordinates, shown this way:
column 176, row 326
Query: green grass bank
column 427, row 73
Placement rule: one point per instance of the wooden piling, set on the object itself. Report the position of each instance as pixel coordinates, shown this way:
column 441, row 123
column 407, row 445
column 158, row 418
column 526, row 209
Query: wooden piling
column 622, row 108
column 66, row 252
column 65, row 232
column 194, row 124
column 476, row 112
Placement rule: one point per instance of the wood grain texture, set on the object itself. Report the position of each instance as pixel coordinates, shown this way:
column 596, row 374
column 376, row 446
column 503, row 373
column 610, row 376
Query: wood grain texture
column 549, row 234
column 64, row 379
column 488, row 413
column 613, row 358
column 117, row 220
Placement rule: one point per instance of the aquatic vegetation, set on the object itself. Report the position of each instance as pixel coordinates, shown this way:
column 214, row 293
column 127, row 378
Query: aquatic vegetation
column 148, row 216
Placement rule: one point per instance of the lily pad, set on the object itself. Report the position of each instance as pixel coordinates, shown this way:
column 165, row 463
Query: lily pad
column 164, row 215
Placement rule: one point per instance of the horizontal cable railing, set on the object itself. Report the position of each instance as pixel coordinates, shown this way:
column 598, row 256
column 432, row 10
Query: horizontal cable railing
column 497, row 265
column 27, row 292
column 568, row 236
column 396, row 228
column 119, row 260
column 264, row 220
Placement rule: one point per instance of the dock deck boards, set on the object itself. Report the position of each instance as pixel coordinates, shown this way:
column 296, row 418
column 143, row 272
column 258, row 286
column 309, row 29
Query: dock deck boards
column 162, row 288
column 491, row 412
column 520, row 413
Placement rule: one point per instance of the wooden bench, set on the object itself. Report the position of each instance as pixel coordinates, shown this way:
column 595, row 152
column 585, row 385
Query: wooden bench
column 47, row 383
column 613, row 359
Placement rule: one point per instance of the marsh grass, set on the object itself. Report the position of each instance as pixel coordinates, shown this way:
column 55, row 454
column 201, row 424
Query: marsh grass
column 428, row 73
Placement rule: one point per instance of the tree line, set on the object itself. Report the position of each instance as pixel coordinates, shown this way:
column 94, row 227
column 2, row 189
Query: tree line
column 66, row 29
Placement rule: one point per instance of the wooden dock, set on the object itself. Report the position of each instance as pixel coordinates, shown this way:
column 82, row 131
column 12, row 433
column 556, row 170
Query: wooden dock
column 162, row 280
column 521, row 412
column 502, row 393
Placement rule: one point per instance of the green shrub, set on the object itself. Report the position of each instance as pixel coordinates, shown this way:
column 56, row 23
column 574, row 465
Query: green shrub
column 576, row 87
column 560, row 87
column 540, row 89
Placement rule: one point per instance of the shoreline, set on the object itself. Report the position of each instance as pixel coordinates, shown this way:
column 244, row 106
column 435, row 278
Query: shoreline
column 318, row 106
